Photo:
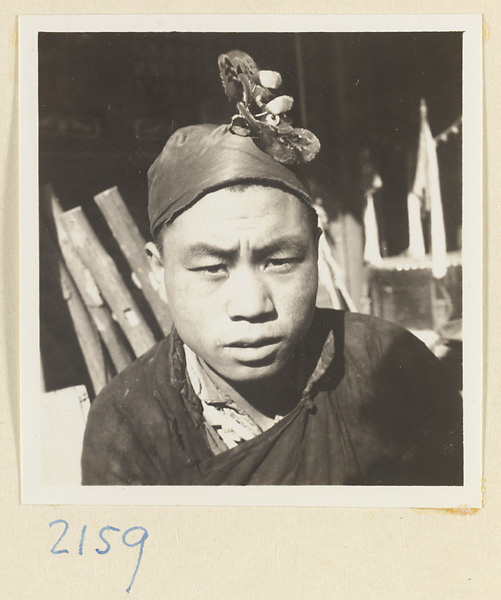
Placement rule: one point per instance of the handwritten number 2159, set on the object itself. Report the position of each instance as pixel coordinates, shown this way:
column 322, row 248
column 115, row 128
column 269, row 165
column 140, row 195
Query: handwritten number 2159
column 125, row 540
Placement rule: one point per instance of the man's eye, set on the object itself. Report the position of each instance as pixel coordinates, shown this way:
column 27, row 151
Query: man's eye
column 281, row 264
column 211, row 270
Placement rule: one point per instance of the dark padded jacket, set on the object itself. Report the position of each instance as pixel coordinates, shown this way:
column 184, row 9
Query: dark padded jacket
column 378, row 412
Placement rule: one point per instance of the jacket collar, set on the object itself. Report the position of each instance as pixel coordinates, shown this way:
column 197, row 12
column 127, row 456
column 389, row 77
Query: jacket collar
column 319, row 356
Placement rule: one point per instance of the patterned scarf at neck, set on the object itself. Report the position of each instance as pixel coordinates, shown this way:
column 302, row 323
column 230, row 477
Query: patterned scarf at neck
column 226, row 423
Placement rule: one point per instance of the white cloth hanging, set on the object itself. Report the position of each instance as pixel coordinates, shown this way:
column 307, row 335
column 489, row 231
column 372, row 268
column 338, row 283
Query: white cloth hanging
column 427, row 185
column 416, row 239
column 372, row 253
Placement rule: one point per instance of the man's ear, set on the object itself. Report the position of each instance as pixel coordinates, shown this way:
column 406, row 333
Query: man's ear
column 318, row 234
column 157, row 268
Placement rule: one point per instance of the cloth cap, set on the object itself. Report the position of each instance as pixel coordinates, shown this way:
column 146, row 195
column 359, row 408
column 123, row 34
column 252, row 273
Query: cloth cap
column 200, row 159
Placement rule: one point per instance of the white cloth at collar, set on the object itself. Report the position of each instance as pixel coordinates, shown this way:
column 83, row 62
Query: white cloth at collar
column 226, row 424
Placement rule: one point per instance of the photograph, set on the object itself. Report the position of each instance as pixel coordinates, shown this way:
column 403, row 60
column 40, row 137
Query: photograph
column 251, row 261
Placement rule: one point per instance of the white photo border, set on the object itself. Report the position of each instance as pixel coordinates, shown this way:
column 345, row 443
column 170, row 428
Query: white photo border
column 32, row 490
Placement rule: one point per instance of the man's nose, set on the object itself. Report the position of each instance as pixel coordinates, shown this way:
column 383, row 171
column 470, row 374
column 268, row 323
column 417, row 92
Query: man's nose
column 249, row 297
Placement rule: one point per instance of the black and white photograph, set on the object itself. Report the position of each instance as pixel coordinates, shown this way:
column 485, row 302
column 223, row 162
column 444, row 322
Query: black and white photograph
column 251, row 251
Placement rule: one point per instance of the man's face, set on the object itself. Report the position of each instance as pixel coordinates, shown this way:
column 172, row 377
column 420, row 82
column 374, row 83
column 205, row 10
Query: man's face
column 240, row 270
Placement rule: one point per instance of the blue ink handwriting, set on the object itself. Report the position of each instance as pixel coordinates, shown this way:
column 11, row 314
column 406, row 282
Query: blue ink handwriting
column 129, row 539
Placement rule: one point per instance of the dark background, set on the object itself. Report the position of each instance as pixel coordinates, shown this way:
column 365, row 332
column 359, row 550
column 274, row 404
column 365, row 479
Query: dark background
column 109, row 101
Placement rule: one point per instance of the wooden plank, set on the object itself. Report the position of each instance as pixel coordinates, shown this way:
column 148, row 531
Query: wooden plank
column 86, row 333
column 131, row 243
column 63, row 417
column 86, row 284
column 109, row 281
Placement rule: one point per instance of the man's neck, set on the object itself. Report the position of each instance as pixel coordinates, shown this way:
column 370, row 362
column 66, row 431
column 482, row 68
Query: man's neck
column 267, row 398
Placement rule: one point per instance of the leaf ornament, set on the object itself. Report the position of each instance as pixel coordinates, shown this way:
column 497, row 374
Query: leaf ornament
column 262, row 114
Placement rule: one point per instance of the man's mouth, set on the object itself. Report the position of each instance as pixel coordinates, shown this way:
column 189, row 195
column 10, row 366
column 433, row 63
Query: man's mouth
column 255, row 343
column 255, row 352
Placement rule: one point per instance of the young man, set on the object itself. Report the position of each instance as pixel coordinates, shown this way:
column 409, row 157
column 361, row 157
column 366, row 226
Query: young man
column 255, row 385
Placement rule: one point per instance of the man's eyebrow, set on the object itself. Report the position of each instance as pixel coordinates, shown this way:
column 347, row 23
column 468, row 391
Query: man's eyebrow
column 289, row 244
column 202, row 250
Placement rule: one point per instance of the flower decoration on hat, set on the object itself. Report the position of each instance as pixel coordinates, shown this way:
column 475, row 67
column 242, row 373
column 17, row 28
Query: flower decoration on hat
column 262, row 114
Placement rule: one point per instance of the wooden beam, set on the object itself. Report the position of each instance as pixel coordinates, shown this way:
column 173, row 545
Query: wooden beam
column 131, row 243
column 86, row 284
column 86, row 333
column 109, row 281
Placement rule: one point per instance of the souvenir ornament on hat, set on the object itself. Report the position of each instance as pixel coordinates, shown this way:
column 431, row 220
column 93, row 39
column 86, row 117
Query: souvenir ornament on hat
column 260, row 146
column 262, row 115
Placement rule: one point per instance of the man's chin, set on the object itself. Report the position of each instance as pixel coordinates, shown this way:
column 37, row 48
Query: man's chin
column 253, row 371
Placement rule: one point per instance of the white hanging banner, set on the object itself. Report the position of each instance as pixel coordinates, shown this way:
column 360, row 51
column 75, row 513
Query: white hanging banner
column 416, row 238
column 372, row 253
column 427, row 183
